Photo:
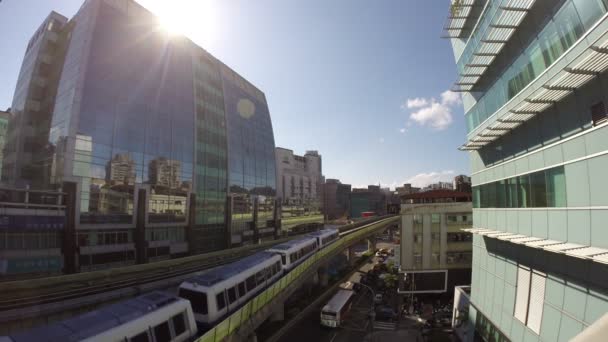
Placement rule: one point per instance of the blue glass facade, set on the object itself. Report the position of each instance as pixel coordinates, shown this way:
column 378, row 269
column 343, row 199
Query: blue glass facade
column 563, row 28
column 136, row 120
column 251, row 159
column 142, row 113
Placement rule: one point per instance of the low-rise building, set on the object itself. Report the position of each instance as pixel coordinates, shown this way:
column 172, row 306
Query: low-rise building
column 299, row 178
column 438, row 186
column 432, row 236
column 406, row 189
column 462, row 183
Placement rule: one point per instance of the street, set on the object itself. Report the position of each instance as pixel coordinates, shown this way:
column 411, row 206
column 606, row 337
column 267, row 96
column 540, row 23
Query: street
column 357, row 324
column 355, row 329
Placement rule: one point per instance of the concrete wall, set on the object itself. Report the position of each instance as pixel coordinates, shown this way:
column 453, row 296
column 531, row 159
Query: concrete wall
column 424, row 212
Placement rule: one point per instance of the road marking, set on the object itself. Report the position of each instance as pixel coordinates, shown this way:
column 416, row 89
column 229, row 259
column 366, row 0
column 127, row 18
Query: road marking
column 385, row 325
column 332, row 339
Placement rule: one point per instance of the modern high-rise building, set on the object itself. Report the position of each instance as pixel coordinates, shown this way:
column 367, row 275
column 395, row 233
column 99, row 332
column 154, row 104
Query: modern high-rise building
column 335, row 199
column 4, row 119
column 372, row 199
column 299, row 178
column 161, row 143
column 535, row 90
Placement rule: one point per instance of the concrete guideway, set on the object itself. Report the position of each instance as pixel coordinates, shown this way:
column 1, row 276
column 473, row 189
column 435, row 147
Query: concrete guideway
column 40, row 301
column 241, row 324
column 18, row 294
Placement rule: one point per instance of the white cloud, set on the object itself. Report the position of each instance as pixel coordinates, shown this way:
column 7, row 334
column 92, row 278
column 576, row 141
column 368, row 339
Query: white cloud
column 430, row 112
column 449, row 98
column 402, row 130
column 437, row 115
column 424, row 179
column 381, row 140
column 416, row 103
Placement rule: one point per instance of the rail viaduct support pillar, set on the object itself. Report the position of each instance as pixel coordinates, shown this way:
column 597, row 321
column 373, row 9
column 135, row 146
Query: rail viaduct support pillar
column 278, row 313
column 351, row 255
column 371, row 244
column 323, row 275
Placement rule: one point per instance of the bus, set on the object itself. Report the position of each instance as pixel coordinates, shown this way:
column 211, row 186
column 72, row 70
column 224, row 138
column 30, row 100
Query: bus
column 334, row 312
column 368, row 214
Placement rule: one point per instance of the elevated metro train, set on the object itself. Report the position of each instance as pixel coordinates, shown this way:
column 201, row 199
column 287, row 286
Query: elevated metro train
column 202, row 300
column 218, row 293
column 155, row 316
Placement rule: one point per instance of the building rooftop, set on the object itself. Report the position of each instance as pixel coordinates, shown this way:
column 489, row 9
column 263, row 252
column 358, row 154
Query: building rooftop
column 441, row 195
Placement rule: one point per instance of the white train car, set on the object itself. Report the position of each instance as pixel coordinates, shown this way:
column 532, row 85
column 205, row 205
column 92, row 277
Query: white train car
column 155, row 316
column 325, row 237
column 223, row 290
column 294, row 252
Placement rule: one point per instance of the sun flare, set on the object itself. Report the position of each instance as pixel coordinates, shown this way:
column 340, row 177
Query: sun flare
column 195, row 19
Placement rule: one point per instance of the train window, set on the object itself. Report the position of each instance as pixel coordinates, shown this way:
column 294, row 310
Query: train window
column 221, row 300
column 284, row 259
column 162, row 332
column 250, row 283
column 141, row 337
column 242, row 290
column 198, row 300
column 232, row 295
column 179, row 324
column 259, row 277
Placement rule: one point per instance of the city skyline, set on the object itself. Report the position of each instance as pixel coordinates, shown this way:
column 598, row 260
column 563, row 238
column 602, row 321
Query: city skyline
column 411, row 110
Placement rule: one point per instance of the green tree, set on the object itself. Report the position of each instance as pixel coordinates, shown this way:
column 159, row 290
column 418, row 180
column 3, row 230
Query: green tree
column 390, row 280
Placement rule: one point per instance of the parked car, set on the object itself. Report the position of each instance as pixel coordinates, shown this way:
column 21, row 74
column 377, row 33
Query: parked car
column 385, row 313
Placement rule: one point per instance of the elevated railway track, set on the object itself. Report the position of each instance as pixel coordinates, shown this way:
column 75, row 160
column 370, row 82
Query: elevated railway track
column 36, row 293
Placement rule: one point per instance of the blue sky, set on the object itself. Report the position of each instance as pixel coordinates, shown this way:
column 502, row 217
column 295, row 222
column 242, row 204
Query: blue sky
column 337, row 75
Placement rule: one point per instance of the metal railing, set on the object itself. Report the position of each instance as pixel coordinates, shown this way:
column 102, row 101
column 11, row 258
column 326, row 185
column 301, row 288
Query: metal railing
column 237, row 319
column 34, row 199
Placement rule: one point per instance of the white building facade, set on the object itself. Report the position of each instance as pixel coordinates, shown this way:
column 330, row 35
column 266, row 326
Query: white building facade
column 299, row 178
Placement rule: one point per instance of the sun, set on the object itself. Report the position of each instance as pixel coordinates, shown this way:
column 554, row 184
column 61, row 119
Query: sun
column 173, row 24
column 195, row 19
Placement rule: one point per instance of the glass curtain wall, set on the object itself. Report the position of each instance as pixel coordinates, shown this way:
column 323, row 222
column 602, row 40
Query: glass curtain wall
column 566, row 26
column 211, row 162
column 251, row 160
column 540, row 189
column 136, row 121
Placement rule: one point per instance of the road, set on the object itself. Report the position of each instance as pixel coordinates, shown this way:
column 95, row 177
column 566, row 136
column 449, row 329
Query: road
column 310, row 329
column 357, row 322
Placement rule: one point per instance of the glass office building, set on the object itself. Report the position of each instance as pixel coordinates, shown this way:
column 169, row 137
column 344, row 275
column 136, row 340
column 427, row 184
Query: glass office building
column 533, row 80
column 159, row 136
